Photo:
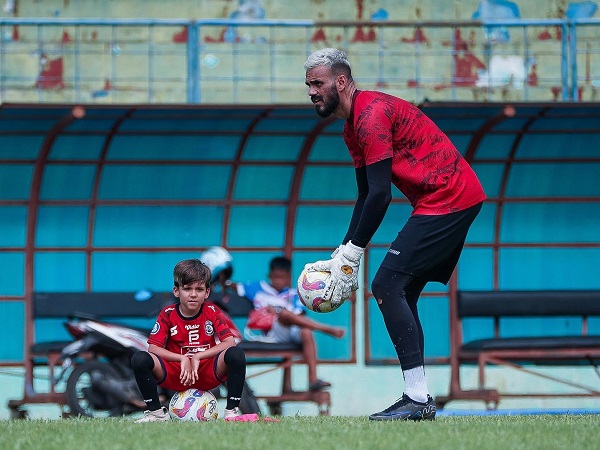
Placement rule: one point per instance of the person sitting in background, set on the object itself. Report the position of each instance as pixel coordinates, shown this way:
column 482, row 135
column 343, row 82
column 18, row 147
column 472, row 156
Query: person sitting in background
column 290, row 323
column 220, row 263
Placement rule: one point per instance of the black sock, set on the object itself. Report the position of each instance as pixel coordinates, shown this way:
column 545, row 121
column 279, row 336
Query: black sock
column 142, row 365
column 236, row 375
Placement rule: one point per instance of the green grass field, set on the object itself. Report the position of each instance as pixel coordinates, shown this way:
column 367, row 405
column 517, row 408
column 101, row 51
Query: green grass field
column 450, row 432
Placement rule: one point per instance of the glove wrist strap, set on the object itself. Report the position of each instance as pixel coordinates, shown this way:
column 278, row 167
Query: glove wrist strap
column 355, row 251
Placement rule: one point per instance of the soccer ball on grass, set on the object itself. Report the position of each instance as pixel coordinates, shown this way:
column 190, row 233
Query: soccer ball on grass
column 193, row 405
column 311, row 287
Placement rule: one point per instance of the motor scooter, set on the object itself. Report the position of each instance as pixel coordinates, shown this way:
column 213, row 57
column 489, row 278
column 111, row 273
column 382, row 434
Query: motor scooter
column 100, row 382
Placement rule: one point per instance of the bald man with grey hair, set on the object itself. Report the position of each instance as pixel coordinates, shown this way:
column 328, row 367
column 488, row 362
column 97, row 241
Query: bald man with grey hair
column 392, row 142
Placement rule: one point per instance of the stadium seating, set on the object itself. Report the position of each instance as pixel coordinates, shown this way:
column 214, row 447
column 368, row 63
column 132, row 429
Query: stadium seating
column 256, row 64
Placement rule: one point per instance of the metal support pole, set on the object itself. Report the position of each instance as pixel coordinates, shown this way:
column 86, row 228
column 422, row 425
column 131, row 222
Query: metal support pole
column 564, row 62
column 573, row 59
column 193, row 66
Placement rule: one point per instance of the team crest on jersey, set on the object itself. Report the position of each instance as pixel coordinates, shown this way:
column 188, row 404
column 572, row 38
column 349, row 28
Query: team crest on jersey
column 209, row 330
column 155, row 328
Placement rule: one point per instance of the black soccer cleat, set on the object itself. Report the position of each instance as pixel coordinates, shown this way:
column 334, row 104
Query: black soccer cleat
column 407, row 409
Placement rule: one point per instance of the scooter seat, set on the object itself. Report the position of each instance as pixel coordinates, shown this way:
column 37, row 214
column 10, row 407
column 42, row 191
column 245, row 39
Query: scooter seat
column 43, row 348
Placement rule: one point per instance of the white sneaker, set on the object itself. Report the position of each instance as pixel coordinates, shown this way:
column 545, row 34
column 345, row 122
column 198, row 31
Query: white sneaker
column 160, row 415
column 228, row 413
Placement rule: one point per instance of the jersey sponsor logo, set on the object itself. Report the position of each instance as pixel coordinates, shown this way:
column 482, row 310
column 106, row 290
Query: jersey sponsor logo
column 393, row 252
column 193, row 336
column 190, row 350
column 192, row 327
column 155, row 328
column 209, row 329
column 173, row 330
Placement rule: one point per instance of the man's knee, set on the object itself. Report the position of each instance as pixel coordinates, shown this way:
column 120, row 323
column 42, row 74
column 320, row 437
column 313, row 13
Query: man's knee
column 381, row 286
column 388, row 284
column 377, row 288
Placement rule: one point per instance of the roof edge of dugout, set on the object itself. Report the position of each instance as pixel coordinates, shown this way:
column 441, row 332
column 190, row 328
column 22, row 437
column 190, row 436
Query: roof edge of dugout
column 308, row 106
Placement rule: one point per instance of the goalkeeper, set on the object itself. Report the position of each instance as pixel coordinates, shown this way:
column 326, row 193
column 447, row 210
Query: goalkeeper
column 392, row 142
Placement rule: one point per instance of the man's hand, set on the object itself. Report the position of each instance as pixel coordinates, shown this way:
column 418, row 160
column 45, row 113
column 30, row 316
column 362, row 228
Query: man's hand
column 344, row 272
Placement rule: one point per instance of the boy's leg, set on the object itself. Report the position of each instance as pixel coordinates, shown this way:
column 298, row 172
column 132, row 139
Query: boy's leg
column 289, row 318
column 295, row 334
column 233, row 362
column 309, row 350
column 143, row 364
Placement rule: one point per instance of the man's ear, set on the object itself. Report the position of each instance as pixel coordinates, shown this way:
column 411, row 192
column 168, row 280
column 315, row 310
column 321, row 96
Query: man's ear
column 341, row 81
column 176, row 291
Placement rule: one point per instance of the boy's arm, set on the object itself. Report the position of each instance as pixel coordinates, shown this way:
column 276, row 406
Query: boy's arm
column 188, row 371
column 165, row 354
column 214, row 351
column 192, row 376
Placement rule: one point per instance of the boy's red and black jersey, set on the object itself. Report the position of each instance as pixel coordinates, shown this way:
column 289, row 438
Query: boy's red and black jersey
column 188, row 335
column 426, row 167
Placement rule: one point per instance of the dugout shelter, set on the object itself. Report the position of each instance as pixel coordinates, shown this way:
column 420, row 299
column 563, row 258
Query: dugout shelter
column 107, row 198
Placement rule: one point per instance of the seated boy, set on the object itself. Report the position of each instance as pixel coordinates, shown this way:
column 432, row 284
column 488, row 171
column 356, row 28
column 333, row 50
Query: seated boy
column 291, row 324
column 190, row 346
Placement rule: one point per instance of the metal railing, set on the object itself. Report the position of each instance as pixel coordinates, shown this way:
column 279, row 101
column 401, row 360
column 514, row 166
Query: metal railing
column 229, row 61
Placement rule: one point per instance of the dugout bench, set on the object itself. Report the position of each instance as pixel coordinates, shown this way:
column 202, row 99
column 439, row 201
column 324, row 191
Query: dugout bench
column 52, row 308
column 521, row 352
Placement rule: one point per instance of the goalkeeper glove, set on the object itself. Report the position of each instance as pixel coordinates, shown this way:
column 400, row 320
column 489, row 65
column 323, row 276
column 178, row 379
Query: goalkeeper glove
column 344, row 272
column 337, row 250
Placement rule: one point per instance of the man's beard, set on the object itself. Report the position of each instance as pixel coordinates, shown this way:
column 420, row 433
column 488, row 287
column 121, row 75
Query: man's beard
column 330, row 104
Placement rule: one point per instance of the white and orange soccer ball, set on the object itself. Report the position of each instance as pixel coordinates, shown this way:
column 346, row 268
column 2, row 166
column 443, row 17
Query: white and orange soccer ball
column 311, row 287
column 193, row 405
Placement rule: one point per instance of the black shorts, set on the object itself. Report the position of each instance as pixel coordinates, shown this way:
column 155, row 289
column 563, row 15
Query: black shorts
column 428, row 247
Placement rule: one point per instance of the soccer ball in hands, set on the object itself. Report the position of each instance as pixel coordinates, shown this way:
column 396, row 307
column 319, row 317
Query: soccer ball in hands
column 193, row 405
column 311, row 287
